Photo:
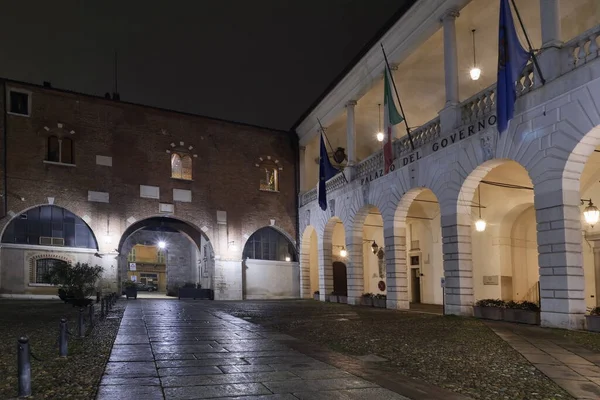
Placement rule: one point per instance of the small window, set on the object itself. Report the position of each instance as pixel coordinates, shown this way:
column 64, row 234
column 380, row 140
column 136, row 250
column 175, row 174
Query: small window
column 60, row 150
column 19, row 103
column 43, row 266
column 131, row 255
column 270, row 180
column 181, row 166
column 160, row 257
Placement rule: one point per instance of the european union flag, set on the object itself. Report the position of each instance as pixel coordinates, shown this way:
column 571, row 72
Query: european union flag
column 326, row 172
column 512, row 58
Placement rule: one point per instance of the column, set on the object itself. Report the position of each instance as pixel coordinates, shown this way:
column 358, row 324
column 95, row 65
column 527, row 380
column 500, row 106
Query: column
column 395, row 267
column 354, row 268
column 325, row 267
column 562, row 284
column 458, row 264
column 301, row 167
column 449, row 116
column 549, row 59
column 350, row 139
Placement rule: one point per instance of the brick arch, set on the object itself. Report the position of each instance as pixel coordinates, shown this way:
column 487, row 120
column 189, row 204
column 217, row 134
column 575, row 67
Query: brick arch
column 278, row 229
column 305, row 267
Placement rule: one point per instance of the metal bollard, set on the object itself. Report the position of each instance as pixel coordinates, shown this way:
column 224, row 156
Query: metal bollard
column 62, row 339
column 24, row 366
column 102, row 308
column 97, row 297
column 91, row 315
column 107, row 304
column 80, row 324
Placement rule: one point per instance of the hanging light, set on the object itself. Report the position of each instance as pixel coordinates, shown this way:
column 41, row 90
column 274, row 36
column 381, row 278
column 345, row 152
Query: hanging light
column 162, row 245
column 379, row 132
column 475, row 72
column 480, row 224
column 343, row 252
column 374, row 247
column 591, row 214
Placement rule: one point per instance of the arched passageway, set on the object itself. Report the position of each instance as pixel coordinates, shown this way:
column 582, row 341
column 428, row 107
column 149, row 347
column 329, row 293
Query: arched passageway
column 309, row 263
column 333, row 249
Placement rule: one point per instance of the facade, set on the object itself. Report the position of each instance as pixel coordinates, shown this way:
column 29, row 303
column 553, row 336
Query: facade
column 467, row 214
column 87, row 179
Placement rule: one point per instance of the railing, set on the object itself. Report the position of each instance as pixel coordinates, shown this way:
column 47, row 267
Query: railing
column 526, row 80
column 370, row 164
column 580, row 49
column 422, row 135
column 334, row 183
column 478, row 105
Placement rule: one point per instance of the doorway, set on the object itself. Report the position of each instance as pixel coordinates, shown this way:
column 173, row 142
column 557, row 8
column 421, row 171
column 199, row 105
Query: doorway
column 415, row 282
column 340, row 284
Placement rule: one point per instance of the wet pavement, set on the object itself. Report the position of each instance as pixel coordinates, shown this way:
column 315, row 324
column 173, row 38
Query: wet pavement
column 191, row 350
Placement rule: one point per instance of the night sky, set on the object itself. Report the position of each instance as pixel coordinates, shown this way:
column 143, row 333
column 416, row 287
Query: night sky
column 262, row 62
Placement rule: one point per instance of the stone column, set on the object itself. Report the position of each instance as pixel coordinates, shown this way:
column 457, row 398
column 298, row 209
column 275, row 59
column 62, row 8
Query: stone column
column 562, row 285
column 350, row 139
column 305, row 268
column 354, row 267
column 549, row 59
column 301, row 167
column 325, row 267
column 449, row 116
column 458, row 264
column 395, row 267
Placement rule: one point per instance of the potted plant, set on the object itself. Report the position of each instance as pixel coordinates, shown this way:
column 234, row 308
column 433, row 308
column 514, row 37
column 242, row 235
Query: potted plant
column 316, row 295
column 75, row 283
column 130, row 289
column 366, row 299
column 523, row 312
column 333, row 298
column 190, row 290
column 489, row 309
column 593, row 320
column 380, row 301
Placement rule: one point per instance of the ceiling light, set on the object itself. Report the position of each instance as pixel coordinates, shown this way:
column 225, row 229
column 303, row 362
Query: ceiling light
column 380, row 136
column 480, row 225
column 475, row 71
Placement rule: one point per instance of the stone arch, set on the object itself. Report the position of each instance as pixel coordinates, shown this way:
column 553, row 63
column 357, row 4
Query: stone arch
column 278, row 229
column 327, row 255
column 26, row 210
column 309, row 263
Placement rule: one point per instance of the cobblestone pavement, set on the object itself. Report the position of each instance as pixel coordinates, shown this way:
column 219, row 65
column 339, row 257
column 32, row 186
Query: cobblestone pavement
column 190, row 350
column 572, row 367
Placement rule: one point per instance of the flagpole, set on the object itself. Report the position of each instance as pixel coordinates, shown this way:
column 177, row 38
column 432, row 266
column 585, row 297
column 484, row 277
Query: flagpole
column 330, row 146
column 412, row 145
column 535, row 62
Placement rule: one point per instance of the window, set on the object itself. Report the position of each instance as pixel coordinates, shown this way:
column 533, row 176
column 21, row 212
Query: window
column 269, row 244
column 131, row 255
column 19, row 102
column 269, row 169
column 60, row 150
column 43, row 266
column 181, row 166
column 160, row 257
column 49, row 226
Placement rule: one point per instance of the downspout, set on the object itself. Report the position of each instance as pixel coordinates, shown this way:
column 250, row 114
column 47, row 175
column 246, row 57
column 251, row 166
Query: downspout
column 4, row 152
column 296, row 147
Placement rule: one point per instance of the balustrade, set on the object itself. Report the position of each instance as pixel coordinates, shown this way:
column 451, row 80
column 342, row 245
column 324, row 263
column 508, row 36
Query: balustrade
column 581, row 49
column 479, row 105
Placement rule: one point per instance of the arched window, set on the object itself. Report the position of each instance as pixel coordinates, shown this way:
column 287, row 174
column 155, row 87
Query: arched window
column 49, row 226
column 66, row 151
column 181, row 166
column 53, row 149
column 43, row 266
column 269, row 244
column 270, row 180
column 60, row 150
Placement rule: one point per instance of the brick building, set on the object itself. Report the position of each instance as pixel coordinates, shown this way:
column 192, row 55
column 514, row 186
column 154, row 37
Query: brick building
column 81, row 174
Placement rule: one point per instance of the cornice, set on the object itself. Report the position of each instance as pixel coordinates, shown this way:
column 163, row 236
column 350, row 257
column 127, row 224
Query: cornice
column 418, row 24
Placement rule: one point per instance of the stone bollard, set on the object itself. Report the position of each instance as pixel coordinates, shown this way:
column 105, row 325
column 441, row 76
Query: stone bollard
column 98, row 297
column 91, row 315
column 80, row 324
column 24, row 367
column 62, row 339
column 102, row 312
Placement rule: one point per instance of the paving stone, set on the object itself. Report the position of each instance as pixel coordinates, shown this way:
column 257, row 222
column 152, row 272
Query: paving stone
column 127, row 369
column 559, row 371
column 322, row 374
column 113, row 392
column 118, row 380
column 230, row 369
column 352, row 394
column 174, row 356
column 541, row 359
column 589, row 371
column 580, row 389
column 278, row 360
column 317, row 385
column 313, row 365
column 131, row 339
column 189, row 371
column 200, row 363
column 206, row 392
column 571, row 359
column 228, row 379
column 286, row 396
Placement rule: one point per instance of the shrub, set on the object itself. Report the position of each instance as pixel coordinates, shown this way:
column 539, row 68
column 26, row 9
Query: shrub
column 491, row 303
column 190, row 285
column 127, row 284
column 524, row 305
column 595, row 311
column 367, row 295
column 77, row 281
column 381, row 296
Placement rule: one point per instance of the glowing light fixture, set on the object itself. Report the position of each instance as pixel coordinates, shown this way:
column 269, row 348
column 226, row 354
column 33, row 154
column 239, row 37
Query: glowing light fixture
column 162, row 245
column 591, row 214
column 288, row 259
column 379, row 132
column 374, row 247
column 475, row 72
column 343, row 252
column 480, row 224
column 232, row 246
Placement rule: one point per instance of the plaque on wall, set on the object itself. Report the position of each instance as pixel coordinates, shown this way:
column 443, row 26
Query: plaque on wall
column 490, row 280
column 132, row 266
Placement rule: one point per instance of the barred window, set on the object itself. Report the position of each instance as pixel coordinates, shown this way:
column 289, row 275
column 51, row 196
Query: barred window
column 181, row 166
column 269, row 244
column 43, row 266
column 60, row 150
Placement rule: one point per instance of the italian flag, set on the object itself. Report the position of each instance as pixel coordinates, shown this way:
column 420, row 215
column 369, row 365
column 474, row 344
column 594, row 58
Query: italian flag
column 391, row 117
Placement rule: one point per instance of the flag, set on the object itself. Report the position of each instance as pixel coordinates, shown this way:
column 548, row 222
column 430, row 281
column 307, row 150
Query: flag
column 326, row 172
column 512, row 58
column 391, row 117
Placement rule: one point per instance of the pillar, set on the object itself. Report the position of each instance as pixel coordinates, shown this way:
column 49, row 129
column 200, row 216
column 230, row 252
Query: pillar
column 450, row 116
column 458, row 264
column 549, row 59
column 350, row 138
column 395, row 267
column 562, row 284
column 354, row 266
column 325, row 265
column 302, row 170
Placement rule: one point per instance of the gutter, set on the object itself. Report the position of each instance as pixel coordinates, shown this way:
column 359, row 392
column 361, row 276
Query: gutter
column 4, row 153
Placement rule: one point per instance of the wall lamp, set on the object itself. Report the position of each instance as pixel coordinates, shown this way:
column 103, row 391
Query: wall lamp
column 374, row 246
column 343, row 252
column 591, row 214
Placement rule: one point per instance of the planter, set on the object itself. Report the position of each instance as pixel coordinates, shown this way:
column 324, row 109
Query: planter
column 131, row 292
column 333, row 298
column 593, row 323
column 194, row 293
column 343, row 299
column 366, row 301
column 493, row 313
column 316, row 297
column 522, row 316
column 379, row 303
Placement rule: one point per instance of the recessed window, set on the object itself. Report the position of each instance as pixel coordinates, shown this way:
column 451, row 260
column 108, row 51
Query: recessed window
column 181, row 166
column 269, row 244
column 19, row 102
column 43, row 267
column 270, row 180
column 60, row 150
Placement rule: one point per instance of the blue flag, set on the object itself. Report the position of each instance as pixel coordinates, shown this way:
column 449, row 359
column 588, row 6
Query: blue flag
column 512, row 58
column 326, row 172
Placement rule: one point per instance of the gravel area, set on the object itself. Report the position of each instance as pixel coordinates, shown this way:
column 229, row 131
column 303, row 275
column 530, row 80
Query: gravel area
column 459, row 354
column 78, row 376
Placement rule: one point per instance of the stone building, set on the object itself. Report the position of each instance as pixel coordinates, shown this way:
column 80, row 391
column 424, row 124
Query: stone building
column 488, row 215
column 87, row 179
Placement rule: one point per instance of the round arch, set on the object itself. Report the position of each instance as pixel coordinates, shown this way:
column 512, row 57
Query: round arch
column 77, row 221
column 309, row 262
column 282, row 231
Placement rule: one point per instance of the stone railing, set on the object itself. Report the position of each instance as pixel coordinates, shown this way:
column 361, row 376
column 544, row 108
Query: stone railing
column 307, row 197
column 369, row 164
column 422, row 135
column 580, row 49
column 479, row 105
column 526, row 80
column 334, row 183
